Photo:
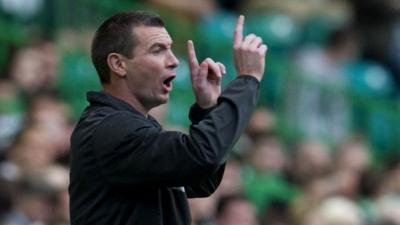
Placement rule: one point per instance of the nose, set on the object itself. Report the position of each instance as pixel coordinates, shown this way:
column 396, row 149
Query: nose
column 172, row 60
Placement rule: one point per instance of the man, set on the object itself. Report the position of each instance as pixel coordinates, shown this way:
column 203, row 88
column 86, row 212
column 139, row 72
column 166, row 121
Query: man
column 235, row 210
column 125, row 169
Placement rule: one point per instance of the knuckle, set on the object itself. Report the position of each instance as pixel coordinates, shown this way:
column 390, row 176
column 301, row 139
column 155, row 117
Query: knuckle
column 253, row 50
column 244, row 48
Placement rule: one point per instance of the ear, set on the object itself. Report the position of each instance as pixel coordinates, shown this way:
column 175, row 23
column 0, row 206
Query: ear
column 116, row 64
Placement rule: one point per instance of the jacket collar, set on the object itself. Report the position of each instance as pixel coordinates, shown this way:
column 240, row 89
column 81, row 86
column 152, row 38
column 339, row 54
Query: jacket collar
column 100, row 98
column 103, row 99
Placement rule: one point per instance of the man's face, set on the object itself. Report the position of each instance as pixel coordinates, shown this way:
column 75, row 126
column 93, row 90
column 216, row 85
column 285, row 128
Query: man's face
column 239, row 212
column 151, row 70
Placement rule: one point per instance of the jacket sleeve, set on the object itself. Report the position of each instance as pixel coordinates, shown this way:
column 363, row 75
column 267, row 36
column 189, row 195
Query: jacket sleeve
column 132, row 151
column 206, row 187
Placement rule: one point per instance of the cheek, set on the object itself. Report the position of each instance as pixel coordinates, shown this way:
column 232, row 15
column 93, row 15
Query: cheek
column 146, row 73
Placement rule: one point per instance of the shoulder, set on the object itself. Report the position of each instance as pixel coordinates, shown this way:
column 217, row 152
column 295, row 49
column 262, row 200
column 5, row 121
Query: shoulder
column 124, row 120
column 107, row 120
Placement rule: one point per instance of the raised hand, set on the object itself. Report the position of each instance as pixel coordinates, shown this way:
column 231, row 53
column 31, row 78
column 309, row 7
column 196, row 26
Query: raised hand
column 249, row 53
column 206, row 78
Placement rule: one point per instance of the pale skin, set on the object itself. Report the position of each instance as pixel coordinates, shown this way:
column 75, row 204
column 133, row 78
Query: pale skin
column 249, row 59
column 139, row 80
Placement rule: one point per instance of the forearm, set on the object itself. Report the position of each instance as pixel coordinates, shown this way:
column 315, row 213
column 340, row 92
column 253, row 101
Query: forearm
column 222, row 127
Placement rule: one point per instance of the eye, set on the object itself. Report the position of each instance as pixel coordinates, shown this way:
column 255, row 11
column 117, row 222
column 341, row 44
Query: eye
column 156, row 51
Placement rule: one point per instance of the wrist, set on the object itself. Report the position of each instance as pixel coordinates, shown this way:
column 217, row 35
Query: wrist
column 206, row 105
column 258, row 77
column 252, row 77
column 196, row 113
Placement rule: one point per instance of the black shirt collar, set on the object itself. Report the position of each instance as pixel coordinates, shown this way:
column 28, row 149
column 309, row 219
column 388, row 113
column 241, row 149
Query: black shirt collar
column 103, row 99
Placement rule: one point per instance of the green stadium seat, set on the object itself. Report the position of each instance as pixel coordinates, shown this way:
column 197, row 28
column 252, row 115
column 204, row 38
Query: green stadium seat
column 316, row 29
column 278, row 30
column 77, row 77
column 370, row 79
column 373, row 87
column 215, row 35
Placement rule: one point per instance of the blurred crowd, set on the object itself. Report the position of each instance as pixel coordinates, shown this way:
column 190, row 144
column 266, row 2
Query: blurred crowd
column 321, row 149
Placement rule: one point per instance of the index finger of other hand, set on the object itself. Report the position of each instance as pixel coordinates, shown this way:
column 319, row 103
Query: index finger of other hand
column 193, row 62
column 238, row 35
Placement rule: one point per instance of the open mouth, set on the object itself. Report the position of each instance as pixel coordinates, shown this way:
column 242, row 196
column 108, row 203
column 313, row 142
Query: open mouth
column 168, row 82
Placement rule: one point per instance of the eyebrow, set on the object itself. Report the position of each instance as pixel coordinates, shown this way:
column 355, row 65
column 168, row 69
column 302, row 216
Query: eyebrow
column 160, row 45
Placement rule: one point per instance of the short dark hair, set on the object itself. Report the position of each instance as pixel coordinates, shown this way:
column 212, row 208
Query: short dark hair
column 115, row 35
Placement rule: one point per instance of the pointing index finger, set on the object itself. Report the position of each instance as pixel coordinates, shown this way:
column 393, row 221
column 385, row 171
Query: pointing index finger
column 193, row 62
column 238, row 35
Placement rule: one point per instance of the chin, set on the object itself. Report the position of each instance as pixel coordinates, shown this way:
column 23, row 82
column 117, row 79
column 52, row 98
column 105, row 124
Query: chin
column 161, row 101
column 164, row 99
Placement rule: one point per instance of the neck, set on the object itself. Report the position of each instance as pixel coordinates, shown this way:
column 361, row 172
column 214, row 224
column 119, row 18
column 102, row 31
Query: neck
column 124, row 95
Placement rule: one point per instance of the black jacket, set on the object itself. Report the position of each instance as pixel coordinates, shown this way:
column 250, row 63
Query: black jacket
column 125, row 169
